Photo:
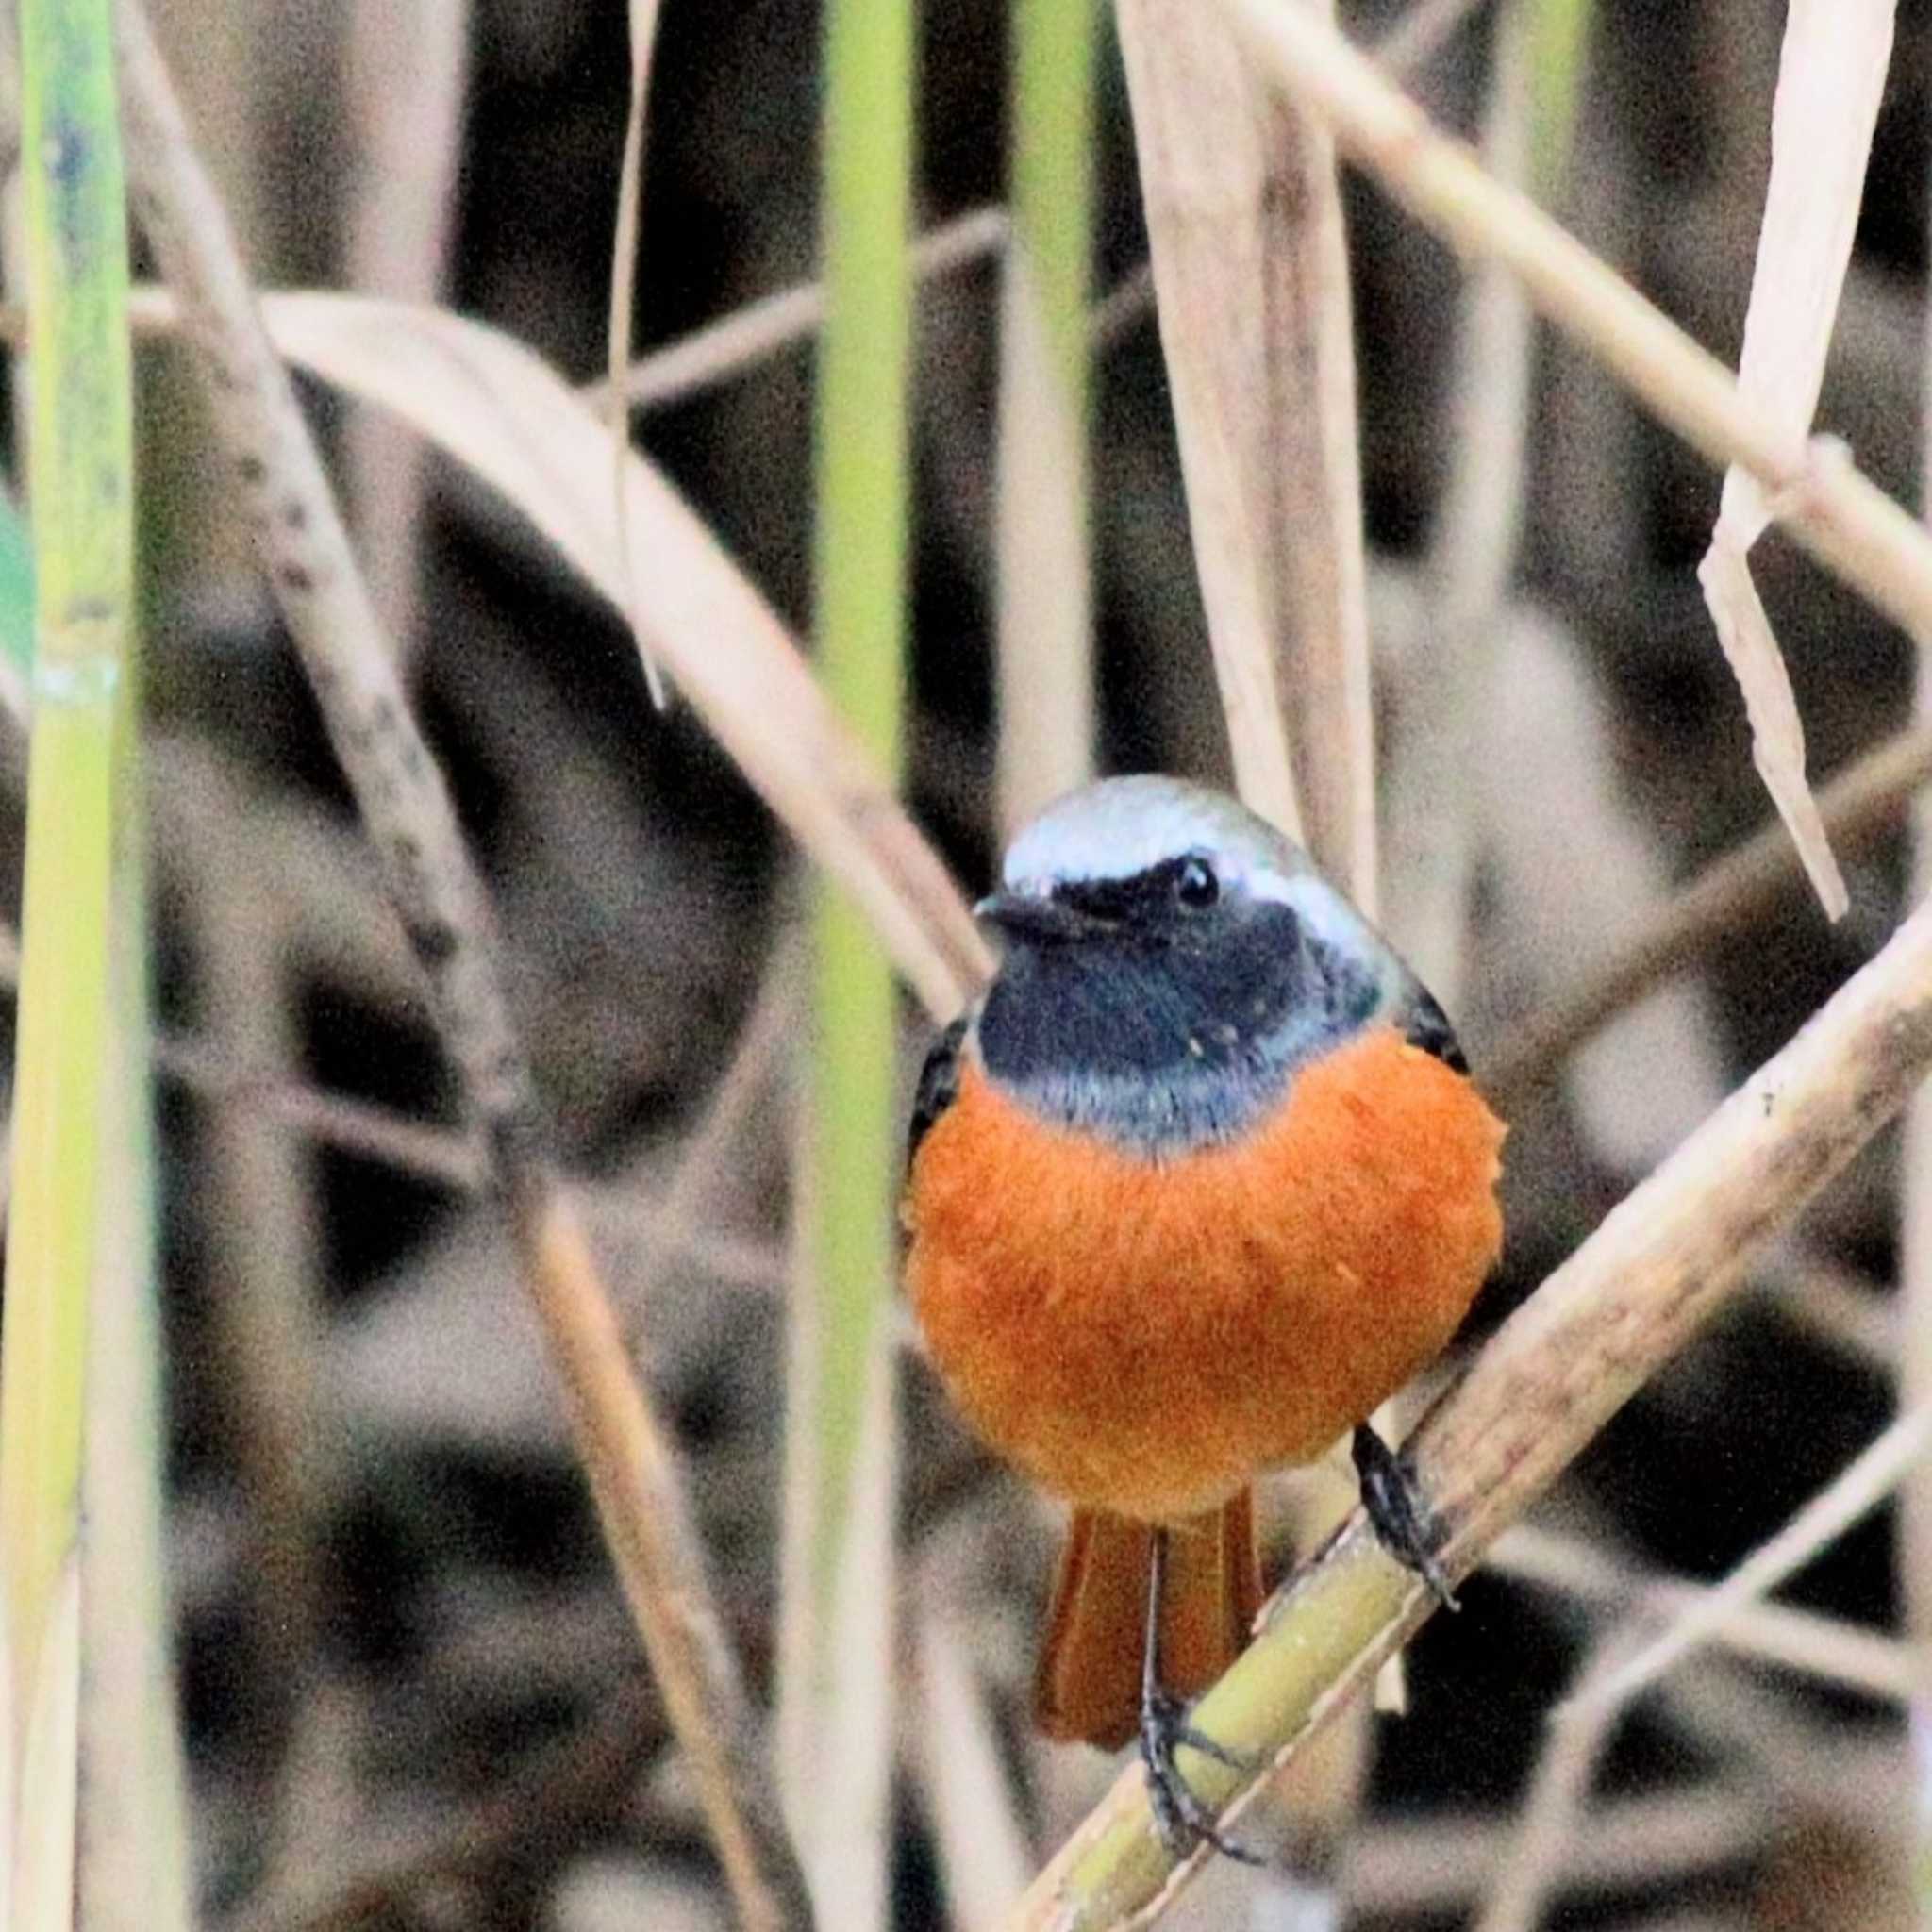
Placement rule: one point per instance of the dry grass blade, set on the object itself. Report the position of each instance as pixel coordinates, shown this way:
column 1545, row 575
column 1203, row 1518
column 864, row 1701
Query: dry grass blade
column 1813, row 489
column 408, row 812
column 1830, row 75
column 1829, row 1514
column 1622, row 1305
column 496, row 405
column 624, row 275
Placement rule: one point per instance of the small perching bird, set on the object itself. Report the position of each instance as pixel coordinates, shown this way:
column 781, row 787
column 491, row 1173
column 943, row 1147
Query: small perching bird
column 1198, row 1183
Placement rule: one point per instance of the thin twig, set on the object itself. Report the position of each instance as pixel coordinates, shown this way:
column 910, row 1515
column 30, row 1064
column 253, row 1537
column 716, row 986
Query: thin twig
column 440, row 1155
column 1858, row 1488
column 754, row 333
column 1827, row 1648
column 409, row 814
column 1837, row 1304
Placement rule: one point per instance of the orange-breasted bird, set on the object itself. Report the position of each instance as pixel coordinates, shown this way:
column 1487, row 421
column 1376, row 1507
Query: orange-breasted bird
column 1198, row 1183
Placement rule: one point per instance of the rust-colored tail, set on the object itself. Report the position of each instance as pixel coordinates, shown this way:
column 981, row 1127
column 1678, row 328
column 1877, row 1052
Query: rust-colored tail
column 1088, row 1682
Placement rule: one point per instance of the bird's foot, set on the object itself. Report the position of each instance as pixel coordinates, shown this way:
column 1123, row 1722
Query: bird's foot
column 1409, row 1529
column 1181, row 1816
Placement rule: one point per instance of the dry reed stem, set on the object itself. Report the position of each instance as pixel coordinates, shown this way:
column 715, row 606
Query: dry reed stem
column 408, row 816
column 623, row 272
column 1855, row 805
column 1250, row 272
column 1043, row 607
column 1204, row 144
column 1628, row 1299
column 959, row 1762
column 407, row 70
column 641, row 1498
column 1813, row 487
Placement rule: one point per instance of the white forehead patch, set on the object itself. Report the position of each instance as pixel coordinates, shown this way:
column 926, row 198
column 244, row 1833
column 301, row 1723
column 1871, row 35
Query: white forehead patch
column 1122, row 826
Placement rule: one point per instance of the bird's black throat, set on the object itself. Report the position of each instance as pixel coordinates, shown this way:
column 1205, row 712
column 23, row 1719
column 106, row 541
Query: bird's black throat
column 1165, row 1035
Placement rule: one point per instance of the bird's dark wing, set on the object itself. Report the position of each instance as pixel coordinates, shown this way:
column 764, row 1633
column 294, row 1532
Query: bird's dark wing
column 1427, row 1026
column 938, row 1083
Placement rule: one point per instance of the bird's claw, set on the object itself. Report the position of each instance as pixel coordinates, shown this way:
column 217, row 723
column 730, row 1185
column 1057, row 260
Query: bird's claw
column 1410, row 1530
column 1182, row 1818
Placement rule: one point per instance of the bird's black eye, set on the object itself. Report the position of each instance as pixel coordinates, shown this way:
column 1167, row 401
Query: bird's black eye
column 1195, row 885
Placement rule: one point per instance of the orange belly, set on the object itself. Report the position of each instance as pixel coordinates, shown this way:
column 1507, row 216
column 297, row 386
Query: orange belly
column 1146, row 1337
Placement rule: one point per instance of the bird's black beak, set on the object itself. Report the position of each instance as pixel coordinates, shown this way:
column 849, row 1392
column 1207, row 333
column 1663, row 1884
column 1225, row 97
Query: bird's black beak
column 1044, row 921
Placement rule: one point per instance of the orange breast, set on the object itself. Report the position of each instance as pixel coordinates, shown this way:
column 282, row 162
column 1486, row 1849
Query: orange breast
column 1147, row 1337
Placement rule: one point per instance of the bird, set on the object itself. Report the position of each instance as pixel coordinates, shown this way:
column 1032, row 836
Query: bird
column 1197, row 1182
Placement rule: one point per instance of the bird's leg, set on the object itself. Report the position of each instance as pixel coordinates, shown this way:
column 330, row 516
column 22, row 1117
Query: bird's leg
column 1180, row 1815
column 1410, row 1530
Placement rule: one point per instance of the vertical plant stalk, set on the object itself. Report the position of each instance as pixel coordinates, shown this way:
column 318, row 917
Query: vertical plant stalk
column 1042, row 508
column 81, row 437
column 1244, row 228
column 134, row 1853
column 837, row 1640
column 1559, row 32
column 629, row 1461
column 407, row 67
column 623, row 275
